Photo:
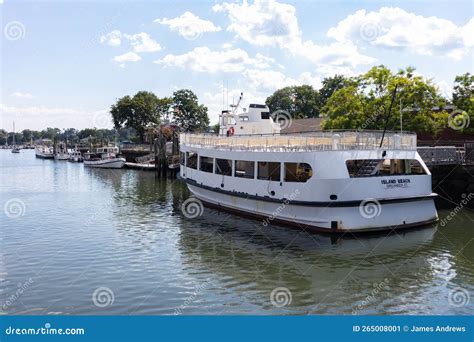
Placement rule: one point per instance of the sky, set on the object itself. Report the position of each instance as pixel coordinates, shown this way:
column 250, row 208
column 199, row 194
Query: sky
column 64, row 63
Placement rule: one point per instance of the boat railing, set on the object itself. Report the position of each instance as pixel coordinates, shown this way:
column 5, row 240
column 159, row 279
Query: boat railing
column 301, row 142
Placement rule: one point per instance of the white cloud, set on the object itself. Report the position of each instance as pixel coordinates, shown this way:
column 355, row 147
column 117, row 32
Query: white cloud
column 113, row 38
column 40, row 117
column 394, row 28
column 127, row 57
column 20, row 95
column 142, row 42
column 189, row 25
column 265, row 22
column 445, row 88
column 202, row 59
column 270, row 23
column 267, row 80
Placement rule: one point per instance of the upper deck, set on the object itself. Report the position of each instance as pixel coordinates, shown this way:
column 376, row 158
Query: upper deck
column 302, row 142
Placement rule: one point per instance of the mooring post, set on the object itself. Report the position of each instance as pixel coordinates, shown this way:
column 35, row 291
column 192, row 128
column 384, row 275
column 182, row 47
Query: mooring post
column 162, row 154
column 155, row 152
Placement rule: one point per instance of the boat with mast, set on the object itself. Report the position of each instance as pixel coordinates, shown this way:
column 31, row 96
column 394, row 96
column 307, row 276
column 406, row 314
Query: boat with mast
column 15, row 149
column 329, row 181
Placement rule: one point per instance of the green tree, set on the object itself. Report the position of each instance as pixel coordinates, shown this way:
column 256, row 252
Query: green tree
column 364, row 103
column 329, row 86
column 188, row 113
column 463, row 99
column 299, row 101
column 137, row 112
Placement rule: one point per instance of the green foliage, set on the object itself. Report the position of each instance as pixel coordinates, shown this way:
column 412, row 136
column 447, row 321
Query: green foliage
column 463, row 100
column 188, row 113
column 329, row 86
column 363, row 103
column 298, row 101
column 137, row 112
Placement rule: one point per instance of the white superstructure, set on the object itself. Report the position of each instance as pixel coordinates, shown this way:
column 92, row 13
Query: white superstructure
column 44, row 152
column 331, row 181
column 104, row 157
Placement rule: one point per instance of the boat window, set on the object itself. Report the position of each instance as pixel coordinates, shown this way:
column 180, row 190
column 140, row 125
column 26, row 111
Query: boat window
column 265, row 115
column 224, row 167
column 384, row 167
column 206, row 164
column 269, row 171
column 298, row 172
column 244, row 169
column 182, row 156
column 231, row 121
column 244, row 118
column 191, row 160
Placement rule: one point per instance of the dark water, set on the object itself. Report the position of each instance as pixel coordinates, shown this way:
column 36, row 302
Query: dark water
column 83, row 241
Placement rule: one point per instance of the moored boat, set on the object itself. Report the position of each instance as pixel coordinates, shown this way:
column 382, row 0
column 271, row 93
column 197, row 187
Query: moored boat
column 75, row 156
column 15, row 149
column 330, row 181
column 61, row 152
column 44, row 152
column 104, row 157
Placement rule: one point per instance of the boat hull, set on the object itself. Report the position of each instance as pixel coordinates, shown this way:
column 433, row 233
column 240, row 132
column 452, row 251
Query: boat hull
column 141, row 166
column 61, row 157
column 44, row 155
column 115, row 163
column 362, row 217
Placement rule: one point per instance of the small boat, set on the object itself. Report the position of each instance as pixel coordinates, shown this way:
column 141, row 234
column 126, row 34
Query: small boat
column 150, row 166
column 104, row 157
column 15, row 149
column 75, row 156
column 44, row 152
column 61, row 152
column 146, row 162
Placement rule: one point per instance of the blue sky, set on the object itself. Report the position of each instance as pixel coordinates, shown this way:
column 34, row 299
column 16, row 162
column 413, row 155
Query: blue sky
column 63, row 63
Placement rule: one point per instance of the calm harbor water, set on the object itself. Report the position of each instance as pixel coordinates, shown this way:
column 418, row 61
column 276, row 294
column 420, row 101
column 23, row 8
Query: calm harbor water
column 82, row 241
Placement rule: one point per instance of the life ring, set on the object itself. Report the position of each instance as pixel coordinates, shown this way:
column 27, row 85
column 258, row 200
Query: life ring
column 230, row 131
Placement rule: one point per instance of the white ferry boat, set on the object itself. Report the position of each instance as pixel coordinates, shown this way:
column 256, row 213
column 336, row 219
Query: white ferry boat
column 104, row 157
column 331, row 181
column 44, row 152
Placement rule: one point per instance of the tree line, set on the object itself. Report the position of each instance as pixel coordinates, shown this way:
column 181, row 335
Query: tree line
column 363, row 102
column 71, row 135
column 360, row 102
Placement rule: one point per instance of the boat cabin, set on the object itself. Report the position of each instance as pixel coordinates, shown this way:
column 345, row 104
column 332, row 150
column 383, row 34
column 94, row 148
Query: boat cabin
column 256, row 120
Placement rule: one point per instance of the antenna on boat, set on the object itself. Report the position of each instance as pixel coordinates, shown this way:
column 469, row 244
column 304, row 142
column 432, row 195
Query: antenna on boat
column 235, row 106
column 388, row 114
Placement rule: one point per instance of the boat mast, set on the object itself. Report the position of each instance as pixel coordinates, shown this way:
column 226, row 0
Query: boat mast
column 13, row 134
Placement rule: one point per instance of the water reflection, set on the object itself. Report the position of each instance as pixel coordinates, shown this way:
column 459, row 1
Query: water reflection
column 86, row 228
